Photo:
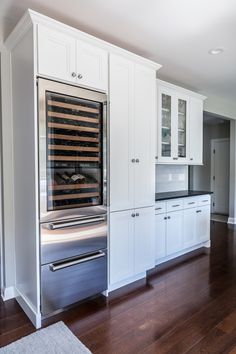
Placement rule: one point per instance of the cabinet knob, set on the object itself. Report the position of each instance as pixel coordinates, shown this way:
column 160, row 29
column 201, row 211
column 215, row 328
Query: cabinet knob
column 165, row 218
column 133, row 215
column 137, row 214
column 191, row 159
column 133, row 160
column 156, row 157
column 80, row 76
column 137, row 160
column 73, row 74
column 169, row 217
column 175, row 158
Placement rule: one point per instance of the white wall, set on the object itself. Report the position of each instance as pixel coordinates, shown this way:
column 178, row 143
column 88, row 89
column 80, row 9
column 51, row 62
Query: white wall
column 171, row 178
column 200, row 176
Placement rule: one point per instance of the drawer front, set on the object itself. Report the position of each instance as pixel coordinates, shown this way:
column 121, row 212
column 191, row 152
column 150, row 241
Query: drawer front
column 175, row 204
column 160, row 208
column 190, row 203
column 204, row 200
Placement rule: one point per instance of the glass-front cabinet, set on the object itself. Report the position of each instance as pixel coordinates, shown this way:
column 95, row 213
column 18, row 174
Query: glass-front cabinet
column 172, row 127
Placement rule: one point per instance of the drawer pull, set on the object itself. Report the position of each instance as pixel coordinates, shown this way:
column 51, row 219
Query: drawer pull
column 191, row 203
column 158, row 209
column 204, row 201
column 175, row 206
column 198, row 211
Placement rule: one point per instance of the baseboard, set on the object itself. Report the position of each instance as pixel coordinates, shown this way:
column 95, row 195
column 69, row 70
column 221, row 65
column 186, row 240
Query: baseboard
column 231, row 221
column 34, row 317
column 122, row 283
column 8, row 293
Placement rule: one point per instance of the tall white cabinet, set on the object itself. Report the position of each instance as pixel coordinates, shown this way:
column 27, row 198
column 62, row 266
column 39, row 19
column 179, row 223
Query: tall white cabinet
column 132, row 167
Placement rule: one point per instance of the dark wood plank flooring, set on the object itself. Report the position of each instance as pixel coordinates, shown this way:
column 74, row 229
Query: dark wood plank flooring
column 188, row 308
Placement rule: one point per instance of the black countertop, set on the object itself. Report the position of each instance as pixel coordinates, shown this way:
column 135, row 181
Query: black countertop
column 179, row 194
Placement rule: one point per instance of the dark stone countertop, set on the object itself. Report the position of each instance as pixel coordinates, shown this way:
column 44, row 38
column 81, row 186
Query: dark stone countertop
column 179, row 194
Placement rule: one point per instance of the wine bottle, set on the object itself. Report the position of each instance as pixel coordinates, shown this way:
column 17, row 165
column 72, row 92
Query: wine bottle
column 58, row 179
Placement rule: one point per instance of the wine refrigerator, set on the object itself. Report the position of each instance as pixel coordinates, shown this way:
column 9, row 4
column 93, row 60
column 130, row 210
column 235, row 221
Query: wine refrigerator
column 73, row 193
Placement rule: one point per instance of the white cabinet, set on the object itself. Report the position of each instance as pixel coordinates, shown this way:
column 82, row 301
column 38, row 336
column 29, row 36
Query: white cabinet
column 177, row 231
column 132, row 135
column 203, row 224
column 174, row 232
column 179, row 125
column 196, row 131
column 62, row 56
column 132, row 242
column 56, row 54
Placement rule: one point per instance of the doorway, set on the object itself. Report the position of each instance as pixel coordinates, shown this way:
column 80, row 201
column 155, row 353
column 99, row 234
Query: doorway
column 213, row 175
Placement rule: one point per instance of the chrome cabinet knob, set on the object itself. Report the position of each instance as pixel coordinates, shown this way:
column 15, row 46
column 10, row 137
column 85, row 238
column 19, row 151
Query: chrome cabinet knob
column 133, row 160
column 133, row 215
column 137, row 214
column 80, row 76
column 137, row 160
column 73, row 74
column 191, row 159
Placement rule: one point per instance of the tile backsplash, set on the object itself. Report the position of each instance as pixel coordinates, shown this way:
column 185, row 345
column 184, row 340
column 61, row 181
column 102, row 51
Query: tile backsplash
column 171, row 178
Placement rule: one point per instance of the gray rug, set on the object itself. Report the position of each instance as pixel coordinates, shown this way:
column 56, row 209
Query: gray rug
column 55, row 339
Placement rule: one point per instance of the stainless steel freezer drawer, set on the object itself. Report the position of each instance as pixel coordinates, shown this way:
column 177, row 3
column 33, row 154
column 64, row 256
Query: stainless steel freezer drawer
column 64, row 283
column 64, row 239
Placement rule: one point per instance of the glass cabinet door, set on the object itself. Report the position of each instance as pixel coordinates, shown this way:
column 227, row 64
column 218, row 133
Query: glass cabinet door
column 165, row 125
column 182, row 124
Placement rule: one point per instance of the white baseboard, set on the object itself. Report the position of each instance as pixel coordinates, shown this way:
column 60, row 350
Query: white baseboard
column 30, row 311
column 231, row 220
column 126, row 282
column 8, row 293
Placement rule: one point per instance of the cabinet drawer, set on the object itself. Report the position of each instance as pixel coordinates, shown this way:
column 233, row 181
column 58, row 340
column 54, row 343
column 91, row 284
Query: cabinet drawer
column 174, row 205
column 204, row 200
column 160, row 208
column 190, row 203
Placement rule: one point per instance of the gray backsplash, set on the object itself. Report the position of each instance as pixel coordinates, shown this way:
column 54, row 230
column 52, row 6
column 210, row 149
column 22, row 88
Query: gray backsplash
column 171, row 178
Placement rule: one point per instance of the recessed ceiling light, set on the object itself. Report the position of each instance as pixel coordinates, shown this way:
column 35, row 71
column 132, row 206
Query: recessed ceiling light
column 216, row 51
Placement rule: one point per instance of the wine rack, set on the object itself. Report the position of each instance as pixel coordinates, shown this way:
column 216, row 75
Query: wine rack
column 74, row 152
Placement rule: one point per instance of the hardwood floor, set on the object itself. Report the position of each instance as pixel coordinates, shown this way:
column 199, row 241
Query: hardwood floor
column 189, row 308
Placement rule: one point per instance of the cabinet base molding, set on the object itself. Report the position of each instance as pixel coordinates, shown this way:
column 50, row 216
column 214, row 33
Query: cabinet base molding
column 8, row 293
column 206, row 244
column 126, row 281
column 34, row 317
column 232, row 221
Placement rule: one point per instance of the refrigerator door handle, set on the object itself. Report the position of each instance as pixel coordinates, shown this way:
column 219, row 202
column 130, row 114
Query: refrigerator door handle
column 70, row 263
column 63, row 225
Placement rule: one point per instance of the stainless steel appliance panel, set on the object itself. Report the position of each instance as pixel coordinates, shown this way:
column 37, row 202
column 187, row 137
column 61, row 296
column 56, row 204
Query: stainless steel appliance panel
column 64, row 283
column 64, row 239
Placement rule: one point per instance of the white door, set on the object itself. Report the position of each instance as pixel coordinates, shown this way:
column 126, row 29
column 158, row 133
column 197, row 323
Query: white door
column 121, row 246
column 189, row 228
column 160, row 236
column 196, row 131
column 92, row 66
column 144, row 133
column 56, row 54
column 203, row 224
column 220, row 175
column 122, row 159
column 144, row 239
column 174, row 233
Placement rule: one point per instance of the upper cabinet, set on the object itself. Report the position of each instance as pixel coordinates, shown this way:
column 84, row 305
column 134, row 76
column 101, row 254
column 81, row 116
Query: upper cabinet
column 63, row 57
column 132, row 134
column 179, row 125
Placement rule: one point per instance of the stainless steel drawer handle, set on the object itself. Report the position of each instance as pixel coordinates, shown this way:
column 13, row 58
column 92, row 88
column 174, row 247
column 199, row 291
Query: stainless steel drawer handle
column 63, row 225
column 191, row 203
column 158, row 209
column 175, row 158
column 59, row 266
column 175, row 206
column 204, row 201
column 198, row 211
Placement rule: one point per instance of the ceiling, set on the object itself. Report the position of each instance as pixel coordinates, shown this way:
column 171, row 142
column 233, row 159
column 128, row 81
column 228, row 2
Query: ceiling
column 176, row 34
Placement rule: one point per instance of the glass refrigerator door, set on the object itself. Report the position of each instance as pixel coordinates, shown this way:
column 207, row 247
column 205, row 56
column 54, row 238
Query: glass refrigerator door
column 73, row 152
column 182, row 117
column 165, row 125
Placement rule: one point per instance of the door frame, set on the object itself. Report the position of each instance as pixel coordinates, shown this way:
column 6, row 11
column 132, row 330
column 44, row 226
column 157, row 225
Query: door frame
column 212, row 166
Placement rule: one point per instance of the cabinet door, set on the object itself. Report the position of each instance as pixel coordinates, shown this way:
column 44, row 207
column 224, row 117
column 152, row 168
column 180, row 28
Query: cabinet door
column 174, row 234
column 189, row 228
column 56, row 54
column 165, row 128
column 121, row 246
column 144, row 132
column 182, row 129
column 144, row 239
column 203, row 224
column 92, row 66
column 160, row 236
column 121, row 134
column 196, row 131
